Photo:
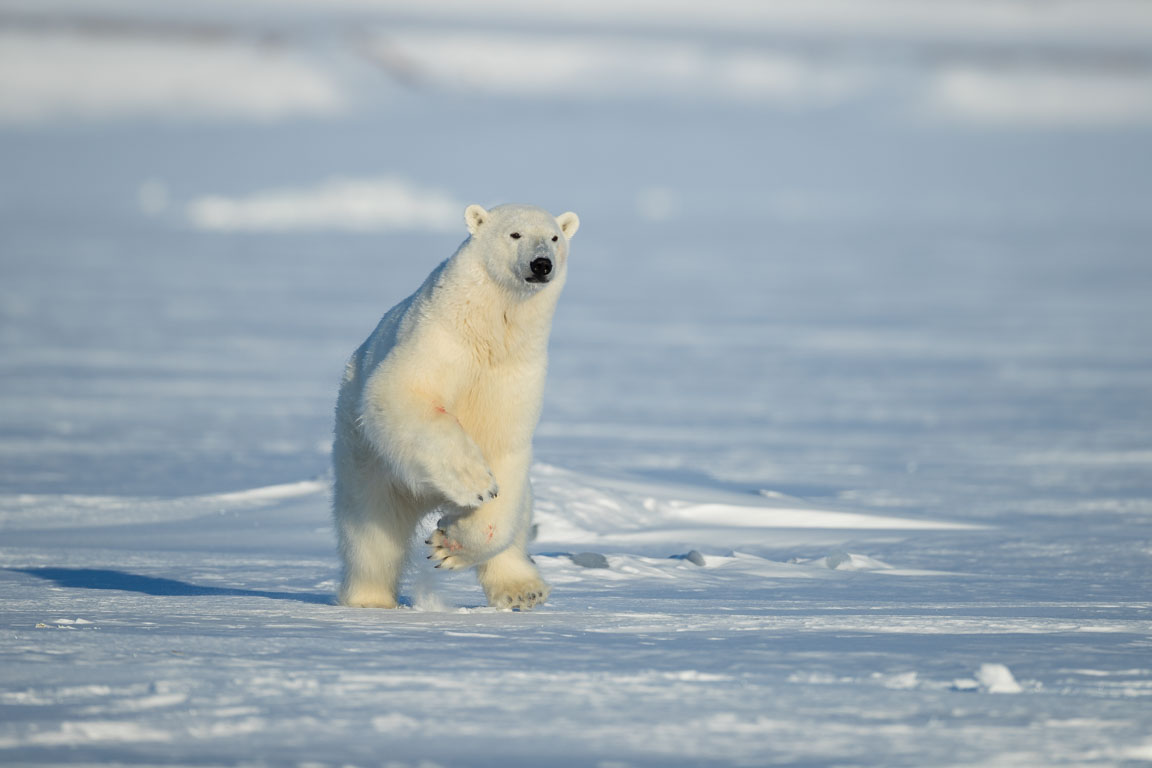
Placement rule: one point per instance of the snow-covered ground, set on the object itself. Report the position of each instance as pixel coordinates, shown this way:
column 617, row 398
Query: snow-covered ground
column 846, row 456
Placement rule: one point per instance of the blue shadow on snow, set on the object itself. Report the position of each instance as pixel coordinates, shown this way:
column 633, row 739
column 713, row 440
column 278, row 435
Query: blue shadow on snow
column 97, row 578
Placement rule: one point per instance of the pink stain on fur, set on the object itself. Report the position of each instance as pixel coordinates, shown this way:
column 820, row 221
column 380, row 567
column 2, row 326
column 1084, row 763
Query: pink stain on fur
column 442, row 409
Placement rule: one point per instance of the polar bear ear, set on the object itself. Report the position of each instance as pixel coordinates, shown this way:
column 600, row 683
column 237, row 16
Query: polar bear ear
column 569, row 223
column 474, row 216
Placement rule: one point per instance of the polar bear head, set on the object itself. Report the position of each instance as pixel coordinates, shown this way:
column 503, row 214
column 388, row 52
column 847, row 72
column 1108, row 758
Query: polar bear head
column 523, row 248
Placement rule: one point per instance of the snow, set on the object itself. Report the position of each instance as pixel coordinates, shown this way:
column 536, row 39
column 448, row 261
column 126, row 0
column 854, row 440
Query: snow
column 591, row 66
column 62, row 75
column 1018, row 95
column 997, row 678
column 846, row 446
column 353, row 204
column 1001, row 89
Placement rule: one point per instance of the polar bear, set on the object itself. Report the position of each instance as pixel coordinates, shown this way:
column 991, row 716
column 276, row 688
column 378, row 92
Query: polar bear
column 437, row 409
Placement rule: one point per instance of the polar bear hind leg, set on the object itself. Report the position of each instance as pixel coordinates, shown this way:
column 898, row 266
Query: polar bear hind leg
column 374, row 527
column 510, row 579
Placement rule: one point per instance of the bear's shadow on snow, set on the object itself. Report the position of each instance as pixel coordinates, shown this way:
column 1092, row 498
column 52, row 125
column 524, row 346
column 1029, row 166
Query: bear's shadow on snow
column 97, row 578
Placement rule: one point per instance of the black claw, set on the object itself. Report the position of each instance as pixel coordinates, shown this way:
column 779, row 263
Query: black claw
column 480, row 498
column 438, row 564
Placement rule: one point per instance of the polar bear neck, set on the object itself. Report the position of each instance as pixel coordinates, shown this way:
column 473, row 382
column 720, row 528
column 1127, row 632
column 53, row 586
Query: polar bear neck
column 500, row 323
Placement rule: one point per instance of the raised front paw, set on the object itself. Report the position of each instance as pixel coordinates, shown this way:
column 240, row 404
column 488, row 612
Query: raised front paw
column 519, row 595
column 469, row 485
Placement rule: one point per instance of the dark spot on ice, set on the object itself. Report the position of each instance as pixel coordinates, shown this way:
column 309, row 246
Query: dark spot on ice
column 692, row 556
column 590, row 560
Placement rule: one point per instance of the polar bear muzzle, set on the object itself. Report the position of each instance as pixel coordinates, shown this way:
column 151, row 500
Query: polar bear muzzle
column 541, row 268
column 540, row 262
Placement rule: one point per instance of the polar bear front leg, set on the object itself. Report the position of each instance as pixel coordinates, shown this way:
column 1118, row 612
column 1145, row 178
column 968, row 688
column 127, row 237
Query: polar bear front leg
column 459, row 472
column 428, row 449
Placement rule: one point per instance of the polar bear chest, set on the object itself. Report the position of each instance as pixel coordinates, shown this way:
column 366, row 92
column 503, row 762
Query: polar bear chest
column 499, row 406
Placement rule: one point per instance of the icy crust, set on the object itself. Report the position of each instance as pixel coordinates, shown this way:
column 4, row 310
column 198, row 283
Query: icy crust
column 575, row 510
column 46, row 511
column 214, row 634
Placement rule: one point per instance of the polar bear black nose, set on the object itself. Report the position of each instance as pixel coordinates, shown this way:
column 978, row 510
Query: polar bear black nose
column 541, row 266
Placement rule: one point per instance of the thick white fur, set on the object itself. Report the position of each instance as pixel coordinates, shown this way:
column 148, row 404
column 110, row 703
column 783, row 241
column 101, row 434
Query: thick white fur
column 437, row 410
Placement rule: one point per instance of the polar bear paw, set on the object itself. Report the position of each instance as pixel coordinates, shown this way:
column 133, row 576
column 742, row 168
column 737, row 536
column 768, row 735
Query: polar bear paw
column 470, row 485
column 519, row 595
column 448, row 551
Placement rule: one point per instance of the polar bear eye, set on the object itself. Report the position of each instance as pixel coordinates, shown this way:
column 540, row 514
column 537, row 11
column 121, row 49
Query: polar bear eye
column 515, row 235
column 555, row 238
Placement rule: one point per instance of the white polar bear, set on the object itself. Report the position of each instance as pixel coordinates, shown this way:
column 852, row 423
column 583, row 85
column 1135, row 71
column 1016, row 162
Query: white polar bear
column 437, row 410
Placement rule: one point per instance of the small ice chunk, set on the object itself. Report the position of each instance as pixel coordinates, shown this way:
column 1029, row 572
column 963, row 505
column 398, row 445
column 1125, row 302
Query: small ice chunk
column 997, row 678
column 695, row 557
column 590, row 560
column 903, row 681
column 846, row 561
column 838, row 559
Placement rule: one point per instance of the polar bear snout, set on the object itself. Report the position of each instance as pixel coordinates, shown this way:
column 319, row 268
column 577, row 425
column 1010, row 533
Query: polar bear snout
column 541, row 268
column 540, row 260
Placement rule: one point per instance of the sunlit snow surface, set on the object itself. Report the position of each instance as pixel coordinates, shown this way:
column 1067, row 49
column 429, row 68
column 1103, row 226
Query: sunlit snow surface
column 858, row 317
